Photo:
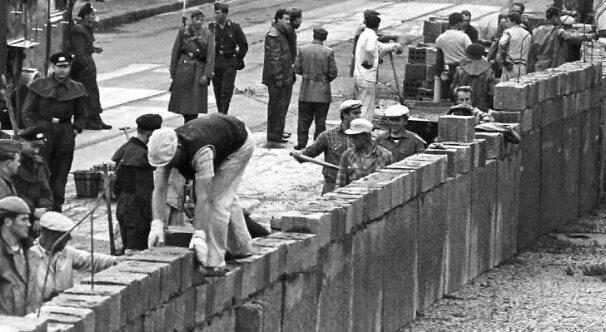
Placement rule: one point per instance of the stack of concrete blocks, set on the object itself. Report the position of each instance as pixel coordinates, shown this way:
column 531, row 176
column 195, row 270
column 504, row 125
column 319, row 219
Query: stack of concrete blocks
column 420, row 71
column 433, row 27
column 372, row 254
column 559, row 111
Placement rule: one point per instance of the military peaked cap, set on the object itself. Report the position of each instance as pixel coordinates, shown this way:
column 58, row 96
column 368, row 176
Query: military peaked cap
column 85, row 10
column 61, row 58
column 149, row 122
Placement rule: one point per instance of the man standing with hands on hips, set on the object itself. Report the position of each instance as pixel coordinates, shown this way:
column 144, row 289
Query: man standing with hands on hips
column 230, row 49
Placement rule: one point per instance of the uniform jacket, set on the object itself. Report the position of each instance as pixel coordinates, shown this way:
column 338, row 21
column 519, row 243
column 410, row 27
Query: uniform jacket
column 61, row 275
column 409, row 144
column 47, row 99
column 32, row 181
column 192, row 57
column 479, row 75
column 7, row 187
column 316, row 64
column 134, row 185
column 547, row 45
column 230, row 43
column 13, row 286
column 278, row 58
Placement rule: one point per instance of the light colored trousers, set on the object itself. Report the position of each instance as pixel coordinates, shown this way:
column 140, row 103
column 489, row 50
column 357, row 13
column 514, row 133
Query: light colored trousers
column 365, row 92
column 221, row 217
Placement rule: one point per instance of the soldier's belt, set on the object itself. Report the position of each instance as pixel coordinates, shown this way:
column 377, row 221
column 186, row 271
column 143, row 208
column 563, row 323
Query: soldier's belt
column 60, row 121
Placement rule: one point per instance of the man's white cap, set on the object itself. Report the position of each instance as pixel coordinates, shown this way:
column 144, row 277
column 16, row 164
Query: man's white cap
column 358, row 126
column 567, row 20
column 55, row 221
column 162, row 147
column 350, row 104
column 395, row 111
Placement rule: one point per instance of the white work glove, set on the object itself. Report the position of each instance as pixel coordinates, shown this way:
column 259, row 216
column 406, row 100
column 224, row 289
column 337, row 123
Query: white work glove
column 156, row 234
column 198, row 245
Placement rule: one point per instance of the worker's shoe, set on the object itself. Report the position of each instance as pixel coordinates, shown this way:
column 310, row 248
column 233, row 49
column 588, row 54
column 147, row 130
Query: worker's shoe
column 278, row 140
column 104, row 126
column 299, row 147
column 93, row 126
column 232, row 257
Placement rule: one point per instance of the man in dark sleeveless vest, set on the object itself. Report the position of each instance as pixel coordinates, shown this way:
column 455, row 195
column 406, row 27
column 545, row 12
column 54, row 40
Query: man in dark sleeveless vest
column 213, row 151
column 51, row 102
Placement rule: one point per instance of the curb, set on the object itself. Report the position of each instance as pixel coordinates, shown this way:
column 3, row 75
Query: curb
column 139, row 14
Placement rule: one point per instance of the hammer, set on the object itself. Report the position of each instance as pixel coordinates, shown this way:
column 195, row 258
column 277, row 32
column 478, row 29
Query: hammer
column 124, row 129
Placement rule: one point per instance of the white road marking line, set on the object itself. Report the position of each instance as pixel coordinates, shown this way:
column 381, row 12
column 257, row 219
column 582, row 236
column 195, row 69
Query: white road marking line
column 111, row 97
column 133, row 68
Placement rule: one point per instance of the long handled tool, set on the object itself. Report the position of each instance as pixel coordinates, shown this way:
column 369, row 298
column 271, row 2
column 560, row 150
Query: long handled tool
column 312, row 160
column 9, row 106
column 395, row 77
column 108, row 207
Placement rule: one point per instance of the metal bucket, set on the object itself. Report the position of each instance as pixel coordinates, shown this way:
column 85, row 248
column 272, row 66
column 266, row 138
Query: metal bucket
column 87, row 183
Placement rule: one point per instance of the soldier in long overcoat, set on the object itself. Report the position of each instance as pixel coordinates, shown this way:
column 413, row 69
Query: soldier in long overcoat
column 191, row 68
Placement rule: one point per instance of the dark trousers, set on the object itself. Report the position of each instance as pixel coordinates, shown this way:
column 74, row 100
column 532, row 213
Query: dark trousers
column 58, row 153
column 223, row 85
column 279, row 99
column 189, row 117
column 447, row 92
column 308, row 112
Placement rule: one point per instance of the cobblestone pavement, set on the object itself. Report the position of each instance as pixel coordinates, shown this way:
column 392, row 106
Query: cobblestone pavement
column 556, row 285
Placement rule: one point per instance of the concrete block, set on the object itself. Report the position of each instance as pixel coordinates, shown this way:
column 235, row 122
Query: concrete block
column 368, row 195
column 458, row 225
column 154, row 281
column 135, row 298
column 158, row 319
column 169, row 316
column 328, row 226
column 590, row 162
column 82, row 319
column 221, row 291
column 431, row 246
column 508, row 171
column 353, row 206
column 275, row 250
column 415, row 72
column 378, row 201
column 456, row 128
column 400, row 240
column 185, row 307
column 368, row 272
column 396, row 186
column 529, row 214
column 249, row 317
column 478, row 151
column 223, row 321
column 301, row 251
column 511, row 96
column 255, row 271
column 437, row 169
column 335, row 292
column 271, row 300
column 300, row 302
column 571, row 149
column 494, row 144
column 23, row 324
column 552, row 177
column 102, row 306
column 483, row 218
column 412, row 181
column 178, row 236
column 460, row 161
column 117, row 295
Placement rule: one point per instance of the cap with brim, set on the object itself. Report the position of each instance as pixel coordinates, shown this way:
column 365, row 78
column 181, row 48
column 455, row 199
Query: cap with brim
column 349, row 105
column 359, row 126
column 61, row 58
column 396, row 111
column 162, row 147
column 149, row 122
column 14, row 204
column 196, row 12
column 55, row 221
column 221, row 6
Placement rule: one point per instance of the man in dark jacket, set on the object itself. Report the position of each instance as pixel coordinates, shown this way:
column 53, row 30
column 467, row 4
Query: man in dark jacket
column 278, row 75
column 469, row 29
column 84, row 69
column 134, row 184
column 32, row 178
column 316, row 64
column 548, row 39
column 476, row 72
column 52, row 102
column 230, row 49
column 14, row 246
column 213, row 150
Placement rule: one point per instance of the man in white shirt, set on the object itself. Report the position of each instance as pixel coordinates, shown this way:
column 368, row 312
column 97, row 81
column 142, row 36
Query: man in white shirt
column 452, row 47
column 368, row 51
